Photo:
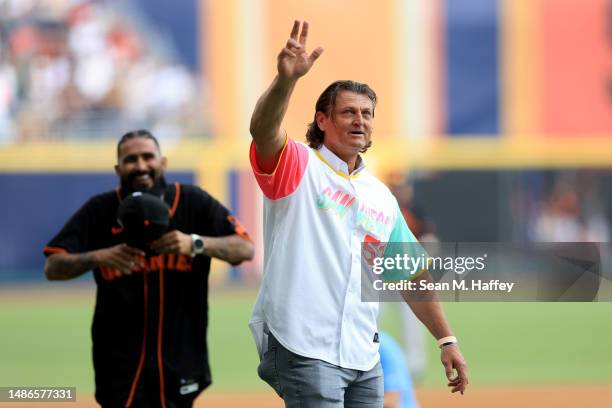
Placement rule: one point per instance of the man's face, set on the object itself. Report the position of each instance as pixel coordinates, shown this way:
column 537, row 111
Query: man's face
column 140, row 164
column 348, row 128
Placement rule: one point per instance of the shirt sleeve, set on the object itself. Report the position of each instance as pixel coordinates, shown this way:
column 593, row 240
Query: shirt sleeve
column 287, row 173
column 216, row 220
column 403, row 242
column 75, row 235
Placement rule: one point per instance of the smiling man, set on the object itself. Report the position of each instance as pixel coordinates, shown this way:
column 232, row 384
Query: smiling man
column 149, row 326
column 318, row 342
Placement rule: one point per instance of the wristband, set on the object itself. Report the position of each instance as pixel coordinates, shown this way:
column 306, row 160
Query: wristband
column 447, row 341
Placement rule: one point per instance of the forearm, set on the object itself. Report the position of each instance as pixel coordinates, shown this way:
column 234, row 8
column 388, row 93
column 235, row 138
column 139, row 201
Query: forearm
column 426, row 307
column 428, row 310
column 232, row 249
column 430, row 313
column 268, row 116
column 63, row 266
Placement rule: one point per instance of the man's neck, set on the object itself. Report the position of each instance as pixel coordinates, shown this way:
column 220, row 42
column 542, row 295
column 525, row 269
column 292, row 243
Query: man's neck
column 352, row 160
column 356, row 164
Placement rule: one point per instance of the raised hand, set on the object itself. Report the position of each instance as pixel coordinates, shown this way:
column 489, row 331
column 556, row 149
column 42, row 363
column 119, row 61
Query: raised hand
column 293, row 60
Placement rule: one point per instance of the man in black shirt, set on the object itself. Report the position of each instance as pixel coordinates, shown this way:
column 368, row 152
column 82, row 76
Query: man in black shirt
column 149, row 326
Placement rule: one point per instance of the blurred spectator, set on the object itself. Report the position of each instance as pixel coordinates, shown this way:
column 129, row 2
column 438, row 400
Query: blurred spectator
column 421, row 226
column 399, row 392
column 82, row 69
column 8, row 96
column 572, row 212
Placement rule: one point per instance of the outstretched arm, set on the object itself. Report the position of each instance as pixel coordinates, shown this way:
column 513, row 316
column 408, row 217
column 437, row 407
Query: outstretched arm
column 293, row 62
column 426, row 307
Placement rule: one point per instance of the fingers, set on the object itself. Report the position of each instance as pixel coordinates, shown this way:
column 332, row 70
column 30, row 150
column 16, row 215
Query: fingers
column 169, row 249
column 290, row 48
column 131, row 250
column 121, row 257
column 304, row 33
column 286, row 52
column 316, row 54
column 448, row 368
column 165, row 243
column 462, row 376
column 452, row 360
column 459, row 381
column 174, row 242
column 166, row 239
column 458, row 388
column 125, row 264
column 458, row 384
column 454, row 381
column 128, row 259
column 295, row 30
column 293, row 44
column 294, row 59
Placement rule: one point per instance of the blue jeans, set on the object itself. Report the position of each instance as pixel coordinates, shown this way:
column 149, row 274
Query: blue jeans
column 310, row 383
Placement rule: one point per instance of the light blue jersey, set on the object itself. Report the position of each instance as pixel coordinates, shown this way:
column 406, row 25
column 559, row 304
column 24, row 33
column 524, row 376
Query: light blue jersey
column 396, row 374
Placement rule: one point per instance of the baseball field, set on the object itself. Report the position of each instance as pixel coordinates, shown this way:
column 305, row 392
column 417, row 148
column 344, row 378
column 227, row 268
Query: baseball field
column 519, row 354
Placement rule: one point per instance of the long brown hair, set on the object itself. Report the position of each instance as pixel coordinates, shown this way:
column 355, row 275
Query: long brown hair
column 326, row 103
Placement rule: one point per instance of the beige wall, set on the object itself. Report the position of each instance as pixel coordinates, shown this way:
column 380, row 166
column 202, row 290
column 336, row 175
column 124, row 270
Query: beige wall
column 244, row 37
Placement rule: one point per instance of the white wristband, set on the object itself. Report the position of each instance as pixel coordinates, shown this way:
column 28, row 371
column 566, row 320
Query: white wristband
column 447, row 341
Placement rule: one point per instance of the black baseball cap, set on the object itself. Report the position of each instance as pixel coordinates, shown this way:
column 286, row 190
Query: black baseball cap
column 144, row 218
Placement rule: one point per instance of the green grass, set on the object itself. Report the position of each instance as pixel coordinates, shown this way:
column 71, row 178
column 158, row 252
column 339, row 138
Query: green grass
column 526, row 343
column 46, row 343
column 233, row 356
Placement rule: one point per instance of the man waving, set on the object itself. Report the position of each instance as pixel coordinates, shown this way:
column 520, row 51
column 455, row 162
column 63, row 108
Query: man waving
column 317, row 340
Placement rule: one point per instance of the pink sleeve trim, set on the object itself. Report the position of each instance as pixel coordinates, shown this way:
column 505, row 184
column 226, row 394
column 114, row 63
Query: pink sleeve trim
column 287, row 173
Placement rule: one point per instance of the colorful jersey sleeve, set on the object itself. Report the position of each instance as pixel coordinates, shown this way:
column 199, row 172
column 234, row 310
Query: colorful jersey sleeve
column 287, row 173
column 402, row 242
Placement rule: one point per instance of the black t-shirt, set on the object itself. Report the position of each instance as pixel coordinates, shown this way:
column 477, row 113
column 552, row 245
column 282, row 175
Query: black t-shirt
column 167, row 295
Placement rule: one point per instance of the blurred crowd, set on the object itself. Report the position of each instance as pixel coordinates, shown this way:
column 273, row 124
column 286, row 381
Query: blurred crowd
column 88, row 69
column 561, row 206
column 573, row 211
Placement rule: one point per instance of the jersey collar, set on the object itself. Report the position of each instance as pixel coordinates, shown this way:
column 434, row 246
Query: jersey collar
column 338, row 165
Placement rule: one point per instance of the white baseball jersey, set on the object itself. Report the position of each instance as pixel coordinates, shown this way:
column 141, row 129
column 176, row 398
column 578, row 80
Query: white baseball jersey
column 316, row 216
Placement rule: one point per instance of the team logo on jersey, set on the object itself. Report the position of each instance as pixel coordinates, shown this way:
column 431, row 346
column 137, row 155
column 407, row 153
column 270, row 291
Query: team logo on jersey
column 336, row 200
column 166, row 262
column 372, row 248
column 374, row 221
